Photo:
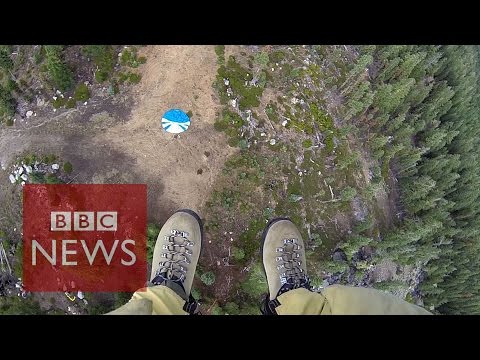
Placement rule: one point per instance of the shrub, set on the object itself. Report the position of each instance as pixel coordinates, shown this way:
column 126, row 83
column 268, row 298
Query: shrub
column 238, row 253
column 129, row 58
column 104, row 57
column 307, row 143
column 101, row 76
column 82, row 93
column 220, row 51
column 348, row 194
column 58, row 102
column 68, row 167
column 231, row 308
column 208, row 278
column 5, row 60
column 15, row 305
column 58, row 72
column 256, row 284
column 134, row 78
column 71, row 103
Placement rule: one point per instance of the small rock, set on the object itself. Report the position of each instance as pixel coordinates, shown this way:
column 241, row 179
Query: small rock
column 24, row 177
column 273, row 141
column 230, row 232
column 300, row 173
column 61, row 95
column 54, row 110
column 263, row 134
column 226, row 82
column 54, row 98
column 23, row 183
column 58, row 92
column 284, row 123
column 19, row 171
column 12, row 179
column 234, row 103
column 29, row 113
column 55, row 166
column 80, row 295
column 85, row 103
column 28, row 169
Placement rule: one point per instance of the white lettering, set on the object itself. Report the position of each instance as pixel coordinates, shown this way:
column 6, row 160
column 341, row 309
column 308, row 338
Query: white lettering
column 52, row 260
column 128, row 252
column 66, row 252
column 99, row 244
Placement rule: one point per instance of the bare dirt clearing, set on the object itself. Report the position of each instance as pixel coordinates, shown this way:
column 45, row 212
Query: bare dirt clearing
column 120, row 139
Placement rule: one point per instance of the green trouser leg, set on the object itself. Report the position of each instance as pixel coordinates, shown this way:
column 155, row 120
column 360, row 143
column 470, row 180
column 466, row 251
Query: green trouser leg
column 344, row 300
column 155, row 300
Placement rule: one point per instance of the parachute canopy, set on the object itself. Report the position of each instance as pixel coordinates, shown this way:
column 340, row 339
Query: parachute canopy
column 175, row 121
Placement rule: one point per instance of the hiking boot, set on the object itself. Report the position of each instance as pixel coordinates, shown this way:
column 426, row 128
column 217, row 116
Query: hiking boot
column 176, row 253
column 284, row 261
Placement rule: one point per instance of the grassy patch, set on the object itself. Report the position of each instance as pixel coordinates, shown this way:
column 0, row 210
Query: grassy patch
column 82, row 93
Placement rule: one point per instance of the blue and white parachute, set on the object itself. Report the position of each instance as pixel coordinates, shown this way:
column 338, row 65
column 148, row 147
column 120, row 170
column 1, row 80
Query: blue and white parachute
column 175, row 121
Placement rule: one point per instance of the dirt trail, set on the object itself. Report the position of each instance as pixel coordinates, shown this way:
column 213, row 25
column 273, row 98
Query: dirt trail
column 121, row 140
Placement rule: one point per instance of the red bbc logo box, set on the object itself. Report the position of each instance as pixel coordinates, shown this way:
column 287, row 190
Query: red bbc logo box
column 84, row 237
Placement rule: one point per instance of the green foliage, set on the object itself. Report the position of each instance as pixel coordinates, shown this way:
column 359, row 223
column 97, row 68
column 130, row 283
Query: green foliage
column 217, row 310
column 5, row 60
column 238, row 253
column 104, row 58
column 220, row 51
column 71, row 103
column 7, row 104
column 129, row 77
column 121, row 298
column 59, row 102
column 261, row 59
column 346, row 160
column 240, row 83
column 348, row 194
column 152, row 234
column 130, row 58
column 15, row 305
column 68, row 167
column 307, row 143
column 41, row 178
column 58, row 72
column 208, row 278
column 231, row 123
column 255, row 285
column 231, row 308
column 82, row 93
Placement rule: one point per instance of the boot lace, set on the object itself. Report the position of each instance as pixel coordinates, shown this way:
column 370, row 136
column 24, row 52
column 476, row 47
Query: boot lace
column 175, row 253
column 289, row 259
